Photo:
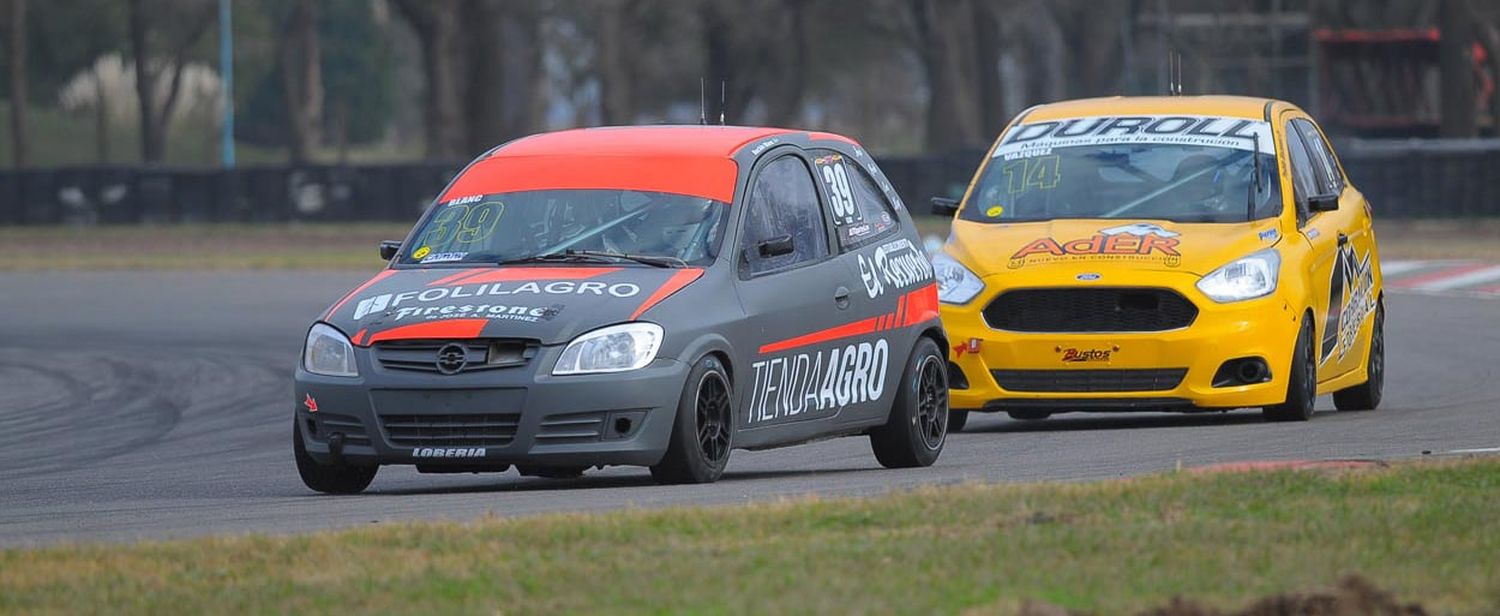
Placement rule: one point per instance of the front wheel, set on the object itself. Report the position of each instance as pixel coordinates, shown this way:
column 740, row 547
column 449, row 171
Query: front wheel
column 913, row 436
column 1366, row 396
column 703, row 431
column 1302, row 382
column 329, row 478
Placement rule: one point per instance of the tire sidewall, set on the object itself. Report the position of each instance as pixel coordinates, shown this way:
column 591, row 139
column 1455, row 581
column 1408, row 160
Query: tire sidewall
column 907, row 410
column 686, row 428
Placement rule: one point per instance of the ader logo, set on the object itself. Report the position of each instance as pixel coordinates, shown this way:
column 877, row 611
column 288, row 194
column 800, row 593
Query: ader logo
column 1133, row 241
column 1074, row 355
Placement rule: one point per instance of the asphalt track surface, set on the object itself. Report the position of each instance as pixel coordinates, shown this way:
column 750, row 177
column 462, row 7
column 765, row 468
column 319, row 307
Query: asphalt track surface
column 153, row 405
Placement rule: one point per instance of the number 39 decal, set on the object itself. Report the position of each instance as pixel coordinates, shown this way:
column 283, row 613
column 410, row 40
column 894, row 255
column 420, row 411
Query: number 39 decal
column 463, row 224
column 837, row 178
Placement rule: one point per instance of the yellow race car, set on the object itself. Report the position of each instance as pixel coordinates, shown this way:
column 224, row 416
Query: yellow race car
column 1161, row 254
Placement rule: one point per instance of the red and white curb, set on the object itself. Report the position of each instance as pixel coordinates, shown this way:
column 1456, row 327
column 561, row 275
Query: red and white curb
column 1452, row 277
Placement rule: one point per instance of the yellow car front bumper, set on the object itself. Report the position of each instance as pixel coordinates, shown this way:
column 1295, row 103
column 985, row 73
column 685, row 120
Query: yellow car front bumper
column 1061, row 371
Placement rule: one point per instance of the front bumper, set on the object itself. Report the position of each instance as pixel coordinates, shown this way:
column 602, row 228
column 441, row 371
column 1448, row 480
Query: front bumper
column 1266, row 328
column 490, row 419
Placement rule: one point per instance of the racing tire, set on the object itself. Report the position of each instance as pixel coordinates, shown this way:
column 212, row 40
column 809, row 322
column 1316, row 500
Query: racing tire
column 1302, row 382
column 914, row 434
column 957, row 420
column 1028, row 415
column 703, row 433
column 1366, row 396
column 329, row 478
column 551, row 472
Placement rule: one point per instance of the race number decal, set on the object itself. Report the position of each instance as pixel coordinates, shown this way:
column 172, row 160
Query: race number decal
column 1023, row 174
column 836, row 176
column 463, row 223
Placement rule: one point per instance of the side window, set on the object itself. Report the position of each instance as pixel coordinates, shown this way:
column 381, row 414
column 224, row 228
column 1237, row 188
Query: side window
column 860, row 211
column 1304, row 179
column 1331, row 180
column 783, row 205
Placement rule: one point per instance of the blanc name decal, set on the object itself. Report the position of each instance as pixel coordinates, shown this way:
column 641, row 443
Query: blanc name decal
column 388, row 301
column 825, row 380
column 1137, row 241
column 894, row 265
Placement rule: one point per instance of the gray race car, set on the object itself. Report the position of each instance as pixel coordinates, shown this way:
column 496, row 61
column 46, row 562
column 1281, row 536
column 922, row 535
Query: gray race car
column 652, row 296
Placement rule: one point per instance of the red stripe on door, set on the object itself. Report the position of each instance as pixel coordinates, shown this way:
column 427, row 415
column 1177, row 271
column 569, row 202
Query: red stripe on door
column 921, row 305
column 674, row 284
column 847, row 330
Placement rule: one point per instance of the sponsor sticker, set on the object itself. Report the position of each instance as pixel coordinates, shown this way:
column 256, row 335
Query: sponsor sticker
column 995, row 211
column 440, row 257
column 448, row 452
column 790, row 386
column 1039, row 138
column 421, row 253
column 1140, row 241
column 379, row 304
column 894, row 265
column 1077, row 355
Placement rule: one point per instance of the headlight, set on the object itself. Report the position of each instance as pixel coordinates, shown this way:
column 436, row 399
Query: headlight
column 1248, row 278
column 616, row 348
column 956, row 284
column 328, row 352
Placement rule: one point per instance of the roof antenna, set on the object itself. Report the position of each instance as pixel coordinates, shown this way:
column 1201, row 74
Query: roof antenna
column 722, row 89
column 702, row 102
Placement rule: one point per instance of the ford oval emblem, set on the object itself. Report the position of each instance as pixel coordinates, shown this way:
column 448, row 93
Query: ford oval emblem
column 1087, row 276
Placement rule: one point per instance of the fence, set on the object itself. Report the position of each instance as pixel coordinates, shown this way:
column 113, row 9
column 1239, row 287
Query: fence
column 1403, row 179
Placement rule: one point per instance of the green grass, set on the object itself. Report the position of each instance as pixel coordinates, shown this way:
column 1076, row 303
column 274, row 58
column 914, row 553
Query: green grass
column 1426, row 532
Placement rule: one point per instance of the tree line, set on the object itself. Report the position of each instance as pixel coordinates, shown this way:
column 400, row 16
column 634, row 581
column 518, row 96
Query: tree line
column 450, row 78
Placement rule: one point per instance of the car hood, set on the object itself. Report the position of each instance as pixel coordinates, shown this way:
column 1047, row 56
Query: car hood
column 550, row 304
column 1102, row 245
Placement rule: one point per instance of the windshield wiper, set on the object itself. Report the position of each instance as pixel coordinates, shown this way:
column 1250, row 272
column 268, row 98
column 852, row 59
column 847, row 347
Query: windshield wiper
column 594, row 256
column 652, row 260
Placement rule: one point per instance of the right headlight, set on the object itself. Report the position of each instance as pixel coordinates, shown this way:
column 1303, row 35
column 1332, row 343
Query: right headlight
column 1245, row 278
column 956, row 284
column 328, row 352
column 616, row 348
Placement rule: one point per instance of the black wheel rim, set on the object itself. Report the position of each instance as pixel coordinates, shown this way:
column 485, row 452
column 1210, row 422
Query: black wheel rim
column 713, row 417
column 932, row 403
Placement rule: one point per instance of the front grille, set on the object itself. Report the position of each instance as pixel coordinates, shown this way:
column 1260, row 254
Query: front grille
column 1155, row 379
column 489, row 430
column 1090, row 310
column 571, row 428
column 481, row 354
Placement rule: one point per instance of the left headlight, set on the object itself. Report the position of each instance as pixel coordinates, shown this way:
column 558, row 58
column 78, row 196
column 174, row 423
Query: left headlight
column 616, row 348
column 328, row 352
column 1247, row 278
column 956, row 284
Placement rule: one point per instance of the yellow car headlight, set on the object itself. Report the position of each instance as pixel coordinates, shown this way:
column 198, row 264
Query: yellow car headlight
column 1246, row 278
column 956, row 284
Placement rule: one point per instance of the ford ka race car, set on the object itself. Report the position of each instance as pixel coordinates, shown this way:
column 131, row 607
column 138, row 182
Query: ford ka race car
column 1178, row 253
column 652, row 296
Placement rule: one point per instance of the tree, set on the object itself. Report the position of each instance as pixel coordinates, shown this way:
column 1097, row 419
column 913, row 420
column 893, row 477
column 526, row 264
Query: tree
column 20, row 143
column 300, row 59
column 183, row 23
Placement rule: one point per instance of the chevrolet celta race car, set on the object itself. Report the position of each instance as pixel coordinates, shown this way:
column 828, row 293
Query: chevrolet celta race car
column 652, row 296
column 1178, row 253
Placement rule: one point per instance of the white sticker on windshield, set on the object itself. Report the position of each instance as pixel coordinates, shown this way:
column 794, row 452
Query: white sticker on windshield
column 1029, row 140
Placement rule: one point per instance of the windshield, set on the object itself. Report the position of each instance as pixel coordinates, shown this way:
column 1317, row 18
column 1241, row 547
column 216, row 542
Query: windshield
column 521, row 226
column 1179, row 178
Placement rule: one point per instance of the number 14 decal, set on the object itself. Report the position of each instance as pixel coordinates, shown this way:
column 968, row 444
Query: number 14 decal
column 1041, row 172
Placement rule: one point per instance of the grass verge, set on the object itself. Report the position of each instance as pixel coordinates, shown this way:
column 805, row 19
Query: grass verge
column 1427, row 533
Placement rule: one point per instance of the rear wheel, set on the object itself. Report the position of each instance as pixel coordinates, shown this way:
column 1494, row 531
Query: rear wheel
column 913, row 436
column 1302, row 382
column 329, row 478
column 957, row 420
column 1366, row 395
column 703, row 433
column 1029, row 415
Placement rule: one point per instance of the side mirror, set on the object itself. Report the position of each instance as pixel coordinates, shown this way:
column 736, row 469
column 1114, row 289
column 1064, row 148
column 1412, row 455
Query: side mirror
column 389, row 248
column 775, row 247
column 1323, row 203
column 943, row 206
